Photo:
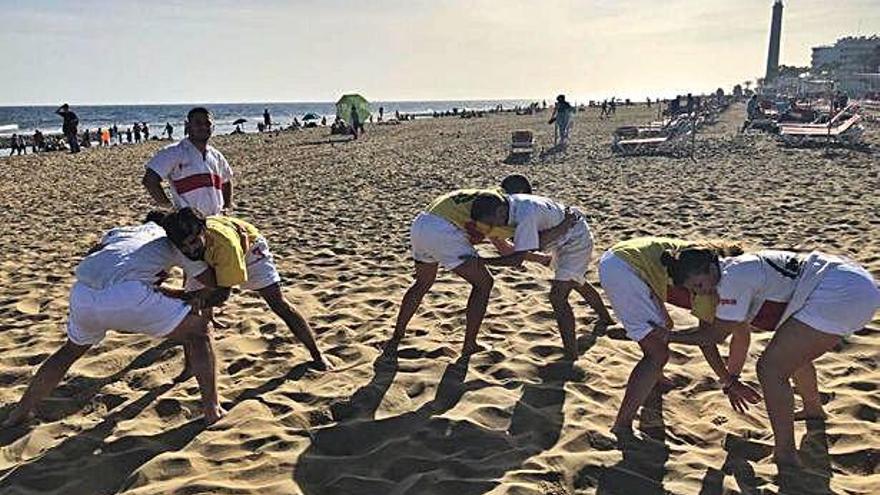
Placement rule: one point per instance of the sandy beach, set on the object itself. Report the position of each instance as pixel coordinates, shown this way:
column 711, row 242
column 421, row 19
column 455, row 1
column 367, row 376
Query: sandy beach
column 514, row 419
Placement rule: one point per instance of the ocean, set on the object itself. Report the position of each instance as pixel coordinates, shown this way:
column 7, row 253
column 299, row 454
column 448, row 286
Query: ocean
column 26, row 119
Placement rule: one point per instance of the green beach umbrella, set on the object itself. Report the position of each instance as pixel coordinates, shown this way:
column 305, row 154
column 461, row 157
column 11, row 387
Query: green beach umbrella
column 361, row 105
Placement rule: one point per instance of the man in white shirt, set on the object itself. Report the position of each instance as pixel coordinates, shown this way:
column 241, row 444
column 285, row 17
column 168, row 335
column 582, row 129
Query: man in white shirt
column 571, row 252
column 198, row 174
column 118, row 287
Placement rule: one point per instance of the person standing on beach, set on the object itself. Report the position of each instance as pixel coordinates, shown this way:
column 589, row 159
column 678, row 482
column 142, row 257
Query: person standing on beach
column 118, row 286
column 39, row 141
column 267, row 119
column 529, row 215
column 128, row 135
column 169, row 130
column 562, row 117
column 444, row 234
column 198, row 174
column 137, row 132
column 239, row 256
column 357, row 126
column 69, row 126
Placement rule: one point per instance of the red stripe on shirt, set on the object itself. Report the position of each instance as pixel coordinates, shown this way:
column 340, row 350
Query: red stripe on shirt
column 197, row 181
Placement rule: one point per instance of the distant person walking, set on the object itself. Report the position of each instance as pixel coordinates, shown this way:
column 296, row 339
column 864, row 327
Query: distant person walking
column 69, row 126
column 146, row 130
column 169, row 130
column 562, row 117
column 137, row 132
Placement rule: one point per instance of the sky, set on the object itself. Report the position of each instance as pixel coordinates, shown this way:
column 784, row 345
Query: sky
column 182, row 51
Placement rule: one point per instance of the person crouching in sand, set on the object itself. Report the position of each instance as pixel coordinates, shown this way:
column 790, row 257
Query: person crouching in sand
column 528, row 215
column 637, row 284
column 827, row 298
column 118, row 287
column 444, row 234
column 240, row 256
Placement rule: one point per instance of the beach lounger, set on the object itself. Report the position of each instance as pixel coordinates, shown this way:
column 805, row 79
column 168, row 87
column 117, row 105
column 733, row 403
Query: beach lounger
column 671, row 144
column 846, row 132
column 522, row 142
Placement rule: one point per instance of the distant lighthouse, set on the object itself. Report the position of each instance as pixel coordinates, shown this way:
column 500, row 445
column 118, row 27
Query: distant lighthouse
column 773, row 52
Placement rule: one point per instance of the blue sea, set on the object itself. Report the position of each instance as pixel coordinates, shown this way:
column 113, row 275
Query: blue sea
column 26, row 119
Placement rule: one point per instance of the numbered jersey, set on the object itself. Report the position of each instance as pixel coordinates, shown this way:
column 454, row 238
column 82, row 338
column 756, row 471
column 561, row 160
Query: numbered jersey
column 456, row 208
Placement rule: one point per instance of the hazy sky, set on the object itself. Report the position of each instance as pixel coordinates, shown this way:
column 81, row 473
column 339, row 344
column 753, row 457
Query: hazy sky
column 153, row 51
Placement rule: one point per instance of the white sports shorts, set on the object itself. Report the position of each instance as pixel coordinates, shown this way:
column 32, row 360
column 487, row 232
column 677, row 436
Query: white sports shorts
column 437, row 240
column 633, row 302
column 135, row 307
column 843, row 303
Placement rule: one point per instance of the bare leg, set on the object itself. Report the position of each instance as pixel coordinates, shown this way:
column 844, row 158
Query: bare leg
column 559, row 291
column 194, row 331
column 807, row 386
column 50, row 373
column 294, row 320
column 594, row 300
column 424, row 278
column 643, row 377
column 474, row 271
column 794, row 345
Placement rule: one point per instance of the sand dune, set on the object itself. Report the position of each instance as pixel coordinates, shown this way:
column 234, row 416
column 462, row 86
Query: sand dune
column 513, row 419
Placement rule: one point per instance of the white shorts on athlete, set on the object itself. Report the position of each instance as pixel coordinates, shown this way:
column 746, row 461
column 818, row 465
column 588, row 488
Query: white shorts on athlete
column 632, row 300
column 572, row 256
column 843, row 303
column 437, row 240
column 135, row 307
column 259, row 265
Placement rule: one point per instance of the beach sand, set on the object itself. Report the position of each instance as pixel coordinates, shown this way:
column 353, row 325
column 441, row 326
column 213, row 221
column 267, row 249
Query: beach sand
column 513, row 419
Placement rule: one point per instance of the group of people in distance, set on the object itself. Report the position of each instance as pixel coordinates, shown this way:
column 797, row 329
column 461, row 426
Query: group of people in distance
column 811, row 301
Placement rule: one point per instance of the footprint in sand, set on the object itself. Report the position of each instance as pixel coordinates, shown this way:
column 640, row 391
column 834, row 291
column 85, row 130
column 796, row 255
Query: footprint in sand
column 29, row 306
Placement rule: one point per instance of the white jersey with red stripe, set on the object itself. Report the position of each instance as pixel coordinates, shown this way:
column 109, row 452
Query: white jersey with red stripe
column 196, row 180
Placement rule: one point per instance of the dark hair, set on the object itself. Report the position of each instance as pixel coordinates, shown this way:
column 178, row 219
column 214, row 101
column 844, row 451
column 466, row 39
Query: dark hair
column 182, row 224
column 196, row 111
column 696, row 259
column 484, row 206
column 516, row 184
column 156, row 216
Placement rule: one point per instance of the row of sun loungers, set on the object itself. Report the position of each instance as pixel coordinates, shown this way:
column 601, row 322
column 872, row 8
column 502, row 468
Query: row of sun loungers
column 671, row 136
column 844, row 129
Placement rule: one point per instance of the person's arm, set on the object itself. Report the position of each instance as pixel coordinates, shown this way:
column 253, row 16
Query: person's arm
column 505, row 248
column 227, row 195
column 207, row 278
column 739, row 347
column 514, row 259
column 548, row 236
column 153, row 183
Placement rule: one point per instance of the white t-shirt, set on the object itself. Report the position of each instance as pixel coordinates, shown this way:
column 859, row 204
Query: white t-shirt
column 142, row 253
column 196, row 180
column 531, row 214
column 747, row 281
